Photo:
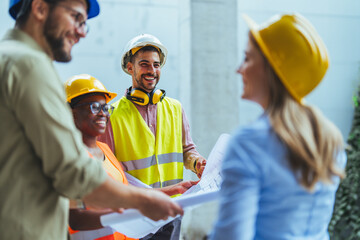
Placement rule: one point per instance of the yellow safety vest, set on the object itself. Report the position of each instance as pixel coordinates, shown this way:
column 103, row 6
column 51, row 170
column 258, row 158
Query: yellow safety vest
column 156, row 161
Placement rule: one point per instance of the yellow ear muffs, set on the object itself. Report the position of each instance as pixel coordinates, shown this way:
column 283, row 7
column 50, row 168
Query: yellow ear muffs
column 157, row 96
column 137, row 95
column 143, row 98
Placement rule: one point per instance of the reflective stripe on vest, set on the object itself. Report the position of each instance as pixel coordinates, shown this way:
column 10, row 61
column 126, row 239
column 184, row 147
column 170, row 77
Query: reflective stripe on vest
column 166, row 183
column 93, row 234
column 105, row 233
column 155, row 161
column 150, row 161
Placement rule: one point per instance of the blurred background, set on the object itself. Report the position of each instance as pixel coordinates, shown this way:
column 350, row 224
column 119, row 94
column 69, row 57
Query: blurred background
column 206, row 40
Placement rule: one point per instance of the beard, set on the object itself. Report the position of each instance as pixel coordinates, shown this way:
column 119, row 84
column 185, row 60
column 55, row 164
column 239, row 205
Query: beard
column 56, row 43
column 144, row 86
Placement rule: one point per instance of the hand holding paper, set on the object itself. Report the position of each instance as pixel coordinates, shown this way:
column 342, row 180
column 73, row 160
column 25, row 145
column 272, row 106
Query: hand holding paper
column 133, row 224
column 158, row 207
column 200, row 166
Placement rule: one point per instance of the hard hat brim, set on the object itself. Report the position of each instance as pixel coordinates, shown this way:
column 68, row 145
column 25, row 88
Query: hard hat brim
column 108, row 95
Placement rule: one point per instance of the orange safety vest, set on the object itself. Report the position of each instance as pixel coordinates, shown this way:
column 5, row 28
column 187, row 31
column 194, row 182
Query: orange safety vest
column 105, row 233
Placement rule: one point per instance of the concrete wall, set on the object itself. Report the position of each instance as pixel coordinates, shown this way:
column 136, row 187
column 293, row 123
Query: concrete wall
column 101, row 51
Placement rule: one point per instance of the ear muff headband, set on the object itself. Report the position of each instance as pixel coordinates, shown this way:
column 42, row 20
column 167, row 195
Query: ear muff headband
column 141, row 97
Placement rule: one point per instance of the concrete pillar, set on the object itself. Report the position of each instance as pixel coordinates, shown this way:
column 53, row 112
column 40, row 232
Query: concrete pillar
column 214, row 82
column 214, row 90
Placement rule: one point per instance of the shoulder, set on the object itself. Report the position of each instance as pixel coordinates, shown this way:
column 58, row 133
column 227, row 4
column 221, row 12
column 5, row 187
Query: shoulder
column 171, row 101
column 21, row 62
column 103, row 146
column 254, row 146
column 121, row 103
column 21, row 54
column 255, row 131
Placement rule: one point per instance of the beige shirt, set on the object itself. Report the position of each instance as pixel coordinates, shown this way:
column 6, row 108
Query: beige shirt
column 42, row 158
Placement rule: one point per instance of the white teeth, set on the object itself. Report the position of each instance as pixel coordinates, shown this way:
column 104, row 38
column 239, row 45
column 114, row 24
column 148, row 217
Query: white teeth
column 101, row 122
column 151, row 78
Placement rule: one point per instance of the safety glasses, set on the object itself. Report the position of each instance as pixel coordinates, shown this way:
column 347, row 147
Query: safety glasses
column 96, row 107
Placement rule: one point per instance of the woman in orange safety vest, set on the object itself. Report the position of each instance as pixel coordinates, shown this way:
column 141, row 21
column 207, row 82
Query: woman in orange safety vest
column 89, row 99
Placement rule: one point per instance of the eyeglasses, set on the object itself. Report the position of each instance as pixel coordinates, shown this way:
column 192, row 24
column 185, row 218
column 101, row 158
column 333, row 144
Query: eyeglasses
column 96, row 107
column 80, row 23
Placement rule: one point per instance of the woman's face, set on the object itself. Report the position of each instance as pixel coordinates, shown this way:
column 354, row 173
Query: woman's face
column 90, row 124
column 255, row 79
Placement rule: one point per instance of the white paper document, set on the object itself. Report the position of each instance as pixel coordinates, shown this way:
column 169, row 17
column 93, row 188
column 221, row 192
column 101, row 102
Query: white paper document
column 133, row 224
column 135, row 182
column 211, row 178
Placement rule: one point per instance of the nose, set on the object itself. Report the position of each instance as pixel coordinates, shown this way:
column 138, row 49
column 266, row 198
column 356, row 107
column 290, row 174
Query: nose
column 151, row 69
column 102, row 113
column 80, row 33
column 240, row 69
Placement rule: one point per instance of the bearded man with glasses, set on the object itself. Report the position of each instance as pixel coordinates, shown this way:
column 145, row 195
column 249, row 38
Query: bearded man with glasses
column 43, row 161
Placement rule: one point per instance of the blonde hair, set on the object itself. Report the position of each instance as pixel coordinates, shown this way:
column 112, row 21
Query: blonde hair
column 313, row 142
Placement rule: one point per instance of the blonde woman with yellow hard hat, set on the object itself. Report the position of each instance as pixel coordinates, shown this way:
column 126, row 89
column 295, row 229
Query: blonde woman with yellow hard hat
column 282, row 171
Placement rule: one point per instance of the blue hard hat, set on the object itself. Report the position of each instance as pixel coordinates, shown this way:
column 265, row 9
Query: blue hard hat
column 93, row 8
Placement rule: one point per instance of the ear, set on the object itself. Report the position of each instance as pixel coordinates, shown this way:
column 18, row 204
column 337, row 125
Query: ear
column 74, row 114
column 40, row 9
column 75, row 117
column 130, row 67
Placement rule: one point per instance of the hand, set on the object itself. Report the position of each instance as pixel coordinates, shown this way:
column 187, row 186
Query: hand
column 200, row 166
column 158, row 206
column 119, row 210
column 178, row 188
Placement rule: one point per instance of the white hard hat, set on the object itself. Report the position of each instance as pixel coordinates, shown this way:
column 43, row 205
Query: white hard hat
column 139, row 42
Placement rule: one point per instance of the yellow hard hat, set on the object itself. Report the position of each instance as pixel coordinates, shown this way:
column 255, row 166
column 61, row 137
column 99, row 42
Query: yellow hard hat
column 139, row 42
column 294, row 50
column 84, row 83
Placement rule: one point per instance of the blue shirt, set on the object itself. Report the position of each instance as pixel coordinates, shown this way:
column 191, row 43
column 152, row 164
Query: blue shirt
column 260, row 196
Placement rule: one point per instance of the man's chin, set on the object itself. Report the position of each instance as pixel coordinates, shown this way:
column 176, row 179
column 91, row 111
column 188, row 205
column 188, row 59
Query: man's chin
column 150, row 87
column 62, row 57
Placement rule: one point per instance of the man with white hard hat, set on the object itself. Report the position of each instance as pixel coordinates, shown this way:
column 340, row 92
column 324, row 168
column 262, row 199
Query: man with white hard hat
column 149, row 132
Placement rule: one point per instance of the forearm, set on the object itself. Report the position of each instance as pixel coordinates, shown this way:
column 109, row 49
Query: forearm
column 113, row 194
column 169, row 190
column 82, row 219
column 152, row 204
column 190, row 158
column 189, row 149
